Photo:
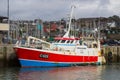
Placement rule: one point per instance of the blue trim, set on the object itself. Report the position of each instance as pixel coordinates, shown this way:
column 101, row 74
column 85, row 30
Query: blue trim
column 30, row 63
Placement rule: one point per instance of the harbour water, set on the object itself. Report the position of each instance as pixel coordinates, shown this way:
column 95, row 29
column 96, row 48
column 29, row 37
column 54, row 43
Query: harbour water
column 104, row 72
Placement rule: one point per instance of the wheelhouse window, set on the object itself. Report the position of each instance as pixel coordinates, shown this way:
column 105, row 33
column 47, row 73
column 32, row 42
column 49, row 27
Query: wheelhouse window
column 68, row 41
column 80, row 41
column 72, row 41
column 63, row 41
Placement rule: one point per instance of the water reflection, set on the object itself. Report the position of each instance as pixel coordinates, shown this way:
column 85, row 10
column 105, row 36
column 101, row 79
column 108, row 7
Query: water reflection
column 106, row 72
column 9, row 73
column 64, row 73
column 111, row 72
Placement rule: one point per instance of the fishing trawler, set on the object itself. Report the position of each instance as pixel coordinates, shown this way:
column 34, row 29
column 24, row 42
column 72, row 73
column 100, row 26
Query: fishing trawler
column 64, row 51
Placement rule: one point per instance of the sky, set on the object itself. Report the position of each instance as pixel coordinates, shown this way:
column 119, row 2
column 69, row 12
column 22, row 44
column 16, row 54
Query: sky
column 49, row 10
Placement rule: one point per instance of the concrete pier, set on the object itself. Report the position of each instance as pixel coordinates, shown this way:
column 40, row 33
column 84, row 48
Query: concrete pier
column 111, row 53
column 8, row 56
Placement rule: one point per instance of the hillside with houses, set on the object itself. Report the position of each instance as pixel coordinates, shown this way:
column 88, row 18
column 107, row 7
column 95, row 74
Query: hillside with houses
column 109, row 28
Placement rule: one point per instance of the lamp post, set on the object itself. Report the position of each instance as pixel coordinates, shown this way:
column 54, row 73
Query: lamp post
column 8, row 18
column 8, row 9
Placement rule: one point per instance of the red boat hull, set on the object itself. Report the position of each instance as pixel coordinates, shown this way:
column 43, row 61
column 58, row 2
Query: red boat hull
column 37, row 57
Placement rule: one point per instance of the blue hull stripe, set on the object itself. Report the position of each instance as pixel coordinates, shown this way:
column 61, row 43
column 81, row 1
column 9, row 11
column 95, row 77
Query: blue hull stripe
column 25, row 63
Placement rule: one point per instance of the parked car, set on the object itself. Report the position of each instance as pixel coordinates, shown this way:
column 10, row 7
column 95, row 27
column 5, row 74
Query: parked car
column 111, row 42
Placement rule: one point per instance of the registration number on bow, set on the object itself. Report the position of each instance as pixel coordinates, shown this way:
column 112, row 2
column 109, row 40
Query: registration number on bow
column 44, row 56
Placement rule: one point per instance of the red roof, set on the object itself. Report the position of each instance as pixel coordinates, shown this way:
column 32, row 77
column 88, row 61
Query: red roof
column 62, row 38
column 53, row 27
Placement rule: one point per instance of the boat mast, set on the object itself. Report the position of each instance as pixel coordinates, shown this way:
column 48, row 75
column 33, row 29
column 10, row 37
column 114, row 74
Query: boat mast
column 71, row 15
column 99, row 35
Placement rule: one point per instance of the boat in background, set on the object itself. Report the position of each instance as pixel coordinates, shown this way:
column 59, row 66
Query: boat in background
column 64, row 51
